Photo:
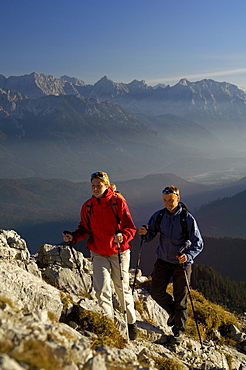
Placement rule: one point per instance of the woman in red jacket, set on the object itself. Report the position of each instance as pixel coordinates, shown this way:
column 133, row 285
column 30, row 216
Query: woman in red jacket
column 106, row 220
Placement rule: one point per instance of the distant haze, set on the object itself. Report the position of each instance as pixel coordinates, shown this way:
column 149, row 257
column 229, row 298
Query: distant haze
column 64, row 128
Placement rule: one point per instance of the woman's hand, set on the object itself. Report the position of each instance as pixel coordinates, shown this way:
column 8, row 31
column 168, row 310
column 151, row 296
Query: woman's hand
column 118, row 238
column 67, row 236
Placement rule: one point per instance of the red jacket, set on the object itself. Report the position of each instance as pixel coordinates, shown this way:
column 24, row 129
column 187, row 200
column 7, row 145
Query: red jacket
column 100, row 225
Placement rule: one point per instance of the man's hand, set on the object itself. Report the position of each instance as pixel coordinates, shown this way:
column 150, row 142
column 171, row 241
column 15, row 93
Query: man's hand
column 143, row 230
column 182, row 259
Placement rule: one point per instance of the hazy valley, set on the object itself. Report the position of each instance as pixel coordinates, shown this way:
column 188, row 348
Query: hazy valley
column 52, row 127
column 39, row 210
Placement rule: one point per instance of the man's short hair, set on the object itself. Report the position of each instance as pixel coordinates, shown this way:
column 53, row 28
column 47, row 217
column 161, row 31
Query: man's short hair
column 171, row 190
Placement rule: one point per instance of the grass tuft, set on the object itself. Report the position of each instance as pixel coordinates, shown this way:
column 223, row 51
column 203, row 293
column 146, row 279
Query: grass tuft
column 210, row 317
column 99, row 324
column 168, row 364
column 6, row 346
column 37, row 354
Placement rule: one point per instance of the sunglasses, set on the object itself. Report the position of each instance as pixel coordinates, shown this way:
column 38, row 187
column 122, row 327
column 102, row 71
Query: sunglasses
column 98, row 174
column 169, row 191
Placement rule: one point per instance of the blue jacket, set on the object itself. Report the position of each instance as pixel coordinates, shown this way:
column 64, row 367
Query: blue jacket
column 172, row 238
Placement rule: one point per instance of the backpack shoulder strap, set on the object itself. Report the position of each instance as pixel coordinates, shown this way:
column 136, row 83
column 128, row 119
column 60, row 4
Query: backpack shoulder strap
column 184, row 206
column 118, row 194
column 183, row 220
column 158, row 220
column 114, row 205
column 88, row 210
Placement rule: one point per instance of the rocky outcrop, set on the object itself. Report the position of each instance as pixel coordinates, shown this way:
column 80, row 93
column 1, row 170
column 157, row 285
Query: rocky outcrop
column 36, row 330
column 60, row 269
column 8, row 101
column 37, row 85
column 21, row 281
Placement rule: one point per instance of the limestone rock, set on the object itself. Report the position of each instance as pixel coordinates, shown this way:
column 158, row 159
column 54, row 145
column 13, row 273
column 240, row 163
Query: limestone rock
column 60, row 269
column 30, row 310
column 13, row 248
column 28, row 291
column 7, row 363
column 234, row 333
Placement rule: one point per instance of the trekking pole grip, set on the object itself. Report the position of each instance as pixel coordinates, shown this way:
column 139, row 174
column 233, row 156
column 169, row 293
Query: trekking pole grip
column 118, row 244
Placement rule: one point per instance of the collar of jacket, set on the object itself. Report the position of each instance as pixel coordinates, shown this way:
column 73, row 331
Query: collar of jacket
column 104, row 199
column 175, row 213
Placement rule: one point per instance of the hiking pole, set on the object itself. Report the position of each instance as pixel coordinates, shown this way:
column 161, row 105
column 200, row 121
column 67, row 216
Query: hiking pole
column 122, row 287
column 77, row 264
column 193, row 309
column 138, row 263
column 189, row 293
column 138, row 259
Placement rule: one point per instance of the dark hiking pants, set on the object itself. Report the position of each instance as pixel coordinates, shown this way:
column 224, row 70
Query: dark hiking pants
column 177, row 305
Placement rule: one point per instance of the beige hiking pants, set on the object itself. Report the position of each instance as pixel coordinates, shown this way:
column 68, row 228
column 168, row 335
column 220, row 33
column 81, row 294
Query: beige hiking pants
column 105, row 268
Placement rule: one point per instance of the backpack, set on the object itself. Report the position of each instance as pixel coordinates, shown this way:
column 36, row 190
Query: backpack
column 182, row 220
column 113, row 203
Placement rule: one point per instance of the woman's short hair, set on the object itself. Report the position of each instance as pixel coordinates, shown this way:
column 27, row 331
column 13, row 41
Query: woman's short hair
column 104, row 178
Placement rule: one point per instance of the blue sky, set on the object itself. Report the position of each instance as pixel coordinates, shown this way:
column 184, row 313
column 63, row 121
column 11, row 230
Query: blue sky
column 159, row 41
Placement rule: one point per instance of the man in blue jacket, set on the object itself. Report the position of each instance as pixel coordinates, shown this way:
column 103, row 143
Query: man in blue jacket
column 180, row 242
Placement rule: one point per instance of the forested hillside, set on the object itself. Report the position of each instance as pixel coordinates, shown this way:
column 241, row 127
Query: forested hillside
column 224, row 217
column 225, row 255
column 218, row 289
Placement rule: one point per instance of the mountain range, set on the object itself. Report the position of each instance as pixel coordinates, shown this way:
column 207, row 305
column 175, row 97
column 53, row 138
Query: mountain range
column 61, row 127
column 205, row 100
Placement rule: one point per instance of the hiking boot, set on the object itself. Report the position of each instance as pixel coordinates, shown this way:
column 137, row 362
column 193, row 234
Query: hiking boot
column 171, row 320
column 132, row 331
column 164, row 339
column 178, row 338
